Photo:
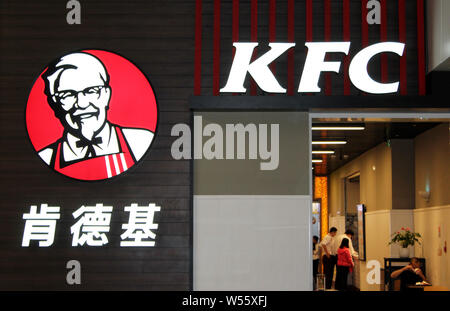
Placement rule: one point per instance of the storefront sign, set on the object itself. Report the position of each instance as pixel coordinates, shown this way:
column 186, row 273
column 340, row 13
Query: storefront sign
column 315, row 64
column 92, row 225
column 91, row 115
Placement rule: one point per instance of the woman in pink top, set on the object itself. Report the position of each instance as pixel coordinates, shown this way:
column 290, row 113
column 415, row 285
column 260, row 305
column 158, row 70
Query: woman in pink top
column 344, row 265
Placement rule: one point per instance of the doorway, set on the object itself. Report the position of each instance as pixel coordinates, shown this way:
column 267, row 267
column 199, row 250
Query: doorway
column 383, row 162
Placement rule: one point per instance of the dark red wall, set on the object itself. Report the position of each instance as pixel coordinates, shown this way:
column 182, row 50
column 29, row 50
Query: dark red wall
column 223, row 22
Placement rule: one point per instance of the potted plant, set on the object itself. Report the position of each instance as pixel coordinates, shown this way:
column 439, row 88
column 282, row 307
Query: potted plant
column 405, row 238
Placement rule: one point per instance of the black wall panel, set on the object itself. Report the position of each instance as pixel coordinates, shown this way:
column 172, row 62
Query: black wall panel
column 158, row 37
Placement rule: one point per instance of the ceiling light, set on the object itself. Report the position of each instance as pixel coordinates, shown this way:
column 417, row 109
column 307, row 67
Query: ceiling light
column 323, row 152
column 317, row 161
column 329, row 142
column 338, row 128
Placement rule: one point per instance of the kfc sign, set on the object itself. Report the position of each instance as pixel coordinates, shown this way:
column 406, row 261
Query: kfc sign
column 92, row 226
column 91, row 115
column 315, row 64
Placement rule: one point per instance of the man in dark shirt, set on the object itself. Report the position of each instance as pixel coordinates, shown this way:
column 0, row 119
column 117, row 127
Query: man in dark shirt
column 409, row 275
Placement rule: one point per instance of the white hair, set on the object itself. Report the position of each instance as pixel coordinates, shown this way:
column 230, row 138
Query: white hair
column 73, row 61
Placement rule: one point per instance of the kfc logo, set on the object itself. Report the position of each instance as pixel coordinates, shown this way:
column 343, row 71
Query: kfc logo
column 91, row 115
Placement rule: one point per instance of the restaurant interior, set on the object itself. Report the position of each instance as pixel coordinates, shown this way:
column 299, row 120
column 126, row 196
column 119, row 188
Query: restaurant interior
column 377, row 176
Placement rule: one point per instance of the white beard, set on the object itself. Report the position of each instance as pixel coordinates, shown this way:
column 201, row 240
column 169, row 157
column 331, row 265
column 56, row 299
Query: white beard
column 88, row 127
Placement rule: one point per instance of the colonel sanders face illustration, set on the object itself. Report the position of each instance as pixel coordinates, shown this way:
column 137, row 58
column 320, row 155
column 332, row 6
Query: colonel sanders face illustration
column 93, row 146
column 77, row 87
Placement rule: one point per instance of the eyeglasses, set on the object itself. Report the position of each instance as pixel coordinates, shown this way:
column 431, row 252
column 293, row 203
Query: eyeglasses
column 70, row 97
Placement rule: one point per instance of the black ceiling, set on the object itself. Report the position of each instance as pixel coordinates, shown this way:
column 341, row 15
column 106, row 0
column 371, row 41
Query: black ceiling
column 359, row 142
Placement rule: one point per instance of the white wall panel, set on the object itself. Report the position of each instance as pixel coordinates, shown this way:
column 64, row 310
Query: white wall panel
column 252, row 243
column 401, row 219
column 378, row 230
column 377, row 236
column 433, row 223
column 338, row 222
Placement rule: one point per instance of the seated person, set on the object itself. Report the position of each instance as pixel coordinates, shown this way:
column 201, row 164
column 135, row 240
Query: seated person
column 410, row 274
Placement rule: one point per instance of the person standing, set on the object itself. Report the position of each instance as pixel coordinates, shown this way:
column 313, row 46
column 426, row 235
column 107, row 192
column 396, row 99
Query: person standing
column 344, row 265
column 329, row 258
column 349, row 234
column 316, row 256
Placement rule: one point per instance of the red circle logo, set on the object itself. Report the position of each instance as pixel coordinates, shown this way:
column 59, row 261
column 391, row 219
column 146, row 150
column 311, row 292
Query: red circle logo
column 91, row 115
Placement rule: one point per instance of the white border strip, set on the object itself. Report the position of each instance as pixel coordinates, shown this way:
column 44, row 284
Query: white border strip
column 433, row 208
column 384, row 211
column 108, row 167
column 124, row 163
column 382, row 115
column 116, row 164
column 251, row 196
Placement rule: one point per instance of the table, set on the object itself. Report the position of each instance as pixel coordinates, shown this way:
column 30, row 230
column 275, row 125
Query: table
column 418, row 287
